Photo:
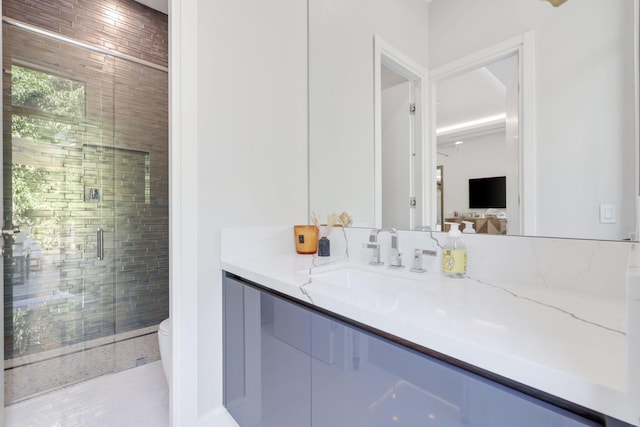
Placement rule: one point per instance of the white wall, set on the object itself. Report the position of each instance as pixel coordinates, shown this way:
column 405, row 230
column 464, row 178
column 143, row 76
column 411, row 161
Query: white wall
column 480, row 157
column 239, row 157
column 341, row 95
column 584, row 101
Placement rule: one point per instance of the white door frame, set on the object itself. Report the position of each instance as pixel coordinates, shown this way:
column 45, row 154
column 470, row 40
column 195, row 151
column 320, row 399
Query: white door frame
column 394, row 59
column 524, row 46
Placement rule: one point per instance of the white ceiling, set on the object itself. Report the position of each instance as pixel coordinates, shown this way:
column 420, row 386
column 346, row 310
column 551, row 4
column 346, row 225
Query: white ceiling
column 161, row 5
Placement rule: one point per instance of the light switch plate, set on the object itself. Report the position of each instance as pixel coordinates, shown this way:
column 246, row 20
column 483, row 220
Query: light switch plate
column 608, row 214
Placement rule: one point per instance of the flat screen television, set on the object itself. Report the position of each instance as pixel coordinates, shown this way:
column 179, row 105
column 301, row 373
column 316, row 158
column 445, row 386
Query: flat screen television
column 487, row 193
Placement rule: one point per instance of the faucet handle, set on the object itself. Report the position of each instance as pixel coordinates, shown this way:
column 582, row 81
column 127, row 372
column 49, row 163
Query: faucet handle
column 417, row 259
column 427, row 252
column 396, row 261
column 375, row 259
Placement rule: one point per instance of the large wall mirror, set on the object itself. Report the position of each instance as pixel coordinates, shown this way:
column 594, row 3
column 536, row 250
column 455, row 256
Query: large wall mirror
column 514, row 114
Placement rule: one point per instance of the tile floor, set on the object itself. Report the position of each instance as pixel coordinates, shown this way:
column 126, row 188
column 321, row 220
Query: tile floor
column 137, row 397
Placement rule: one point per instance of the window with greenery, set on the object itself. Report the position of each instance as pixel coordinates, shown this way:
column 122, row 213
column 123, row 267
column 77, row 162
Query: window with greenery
column 45, row 106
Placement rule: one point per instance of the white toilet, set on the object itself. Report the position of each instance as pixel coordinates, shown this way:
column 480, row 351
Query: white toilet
column 164, row 340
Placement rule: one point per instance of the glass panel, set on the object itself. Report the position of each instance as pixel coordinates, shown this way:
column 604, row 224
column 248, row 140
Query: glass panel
column 58, row 149
column 141, row 159
column 85, row 148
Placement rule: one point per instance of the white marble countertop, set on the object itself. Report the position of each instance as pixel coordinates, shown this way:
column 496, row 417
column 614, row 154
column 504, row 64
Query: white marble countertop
column 570, row 345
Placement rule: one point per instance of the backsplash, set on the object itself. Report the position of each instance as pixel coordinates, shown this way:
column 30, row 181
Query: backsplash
column 589, row 266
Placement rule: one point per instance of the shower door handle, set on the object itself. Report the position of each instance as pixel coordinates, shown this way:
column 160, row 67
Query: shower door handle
column 100, row 244
column 10, row 233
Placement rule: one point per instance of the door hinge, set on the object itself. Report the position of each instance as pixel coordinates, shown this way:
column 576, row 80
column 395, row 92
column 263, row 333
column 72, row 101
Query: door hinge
column 412, row 202
column 412, row 108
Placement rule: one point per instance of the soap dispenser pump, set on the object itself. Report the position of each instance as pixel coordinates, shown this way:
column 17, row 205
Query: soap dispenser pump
column 454, row 253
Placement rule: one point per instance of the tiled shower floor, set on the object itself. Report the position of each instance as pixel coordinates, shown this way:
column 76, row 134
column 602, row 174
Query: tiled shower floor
column 137, row 397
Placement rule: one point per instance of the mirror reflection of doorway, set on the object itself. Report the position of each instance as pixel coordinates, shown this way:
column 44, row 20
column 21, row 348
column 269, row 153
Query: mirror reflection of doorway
column 398, row 150
column 477, row 135
column 400, row 167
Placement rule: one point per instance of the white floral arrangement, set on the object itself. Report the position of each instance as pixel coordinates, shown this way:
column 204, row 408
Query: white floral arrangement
column 333, row 220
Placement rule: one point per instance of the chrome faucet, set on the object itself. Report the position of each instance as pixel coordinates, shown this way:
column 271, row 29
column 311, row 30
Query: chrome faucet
column 396, row 260
column 417, row 259
column 418, row 254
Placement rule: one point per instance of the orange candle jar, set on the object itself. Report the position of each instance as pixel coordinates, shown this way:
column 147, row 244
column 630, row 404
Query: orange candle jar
column 306, row 239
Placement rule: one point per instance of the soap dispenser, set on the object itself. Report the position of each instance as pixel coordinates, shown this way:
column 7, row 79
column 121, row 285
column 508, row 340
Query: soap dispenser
column 454, row 253
column 468, row 228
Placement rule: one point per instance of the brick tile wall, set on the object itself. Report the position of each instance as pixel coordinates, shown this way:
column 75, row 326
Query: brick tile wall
column 122, row 25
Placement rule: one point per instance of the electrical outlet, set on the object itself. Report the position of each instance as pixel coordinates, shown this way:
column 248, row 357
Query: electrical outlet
column 607, row 214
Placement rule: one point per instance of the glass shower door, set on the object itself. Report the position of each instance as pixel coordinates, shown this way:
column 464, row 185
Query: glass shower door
column 58, row 169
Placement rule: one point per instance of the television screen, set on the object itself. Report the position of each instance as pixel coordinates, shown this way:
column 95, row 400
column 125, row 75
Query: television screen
column 487, row 193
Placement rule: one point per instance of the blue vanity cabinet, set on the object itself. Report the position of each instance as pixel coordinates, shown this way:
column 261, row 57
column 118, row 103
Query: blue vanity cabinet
column 267, row 362
column 375, row 382
column 288, row 365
